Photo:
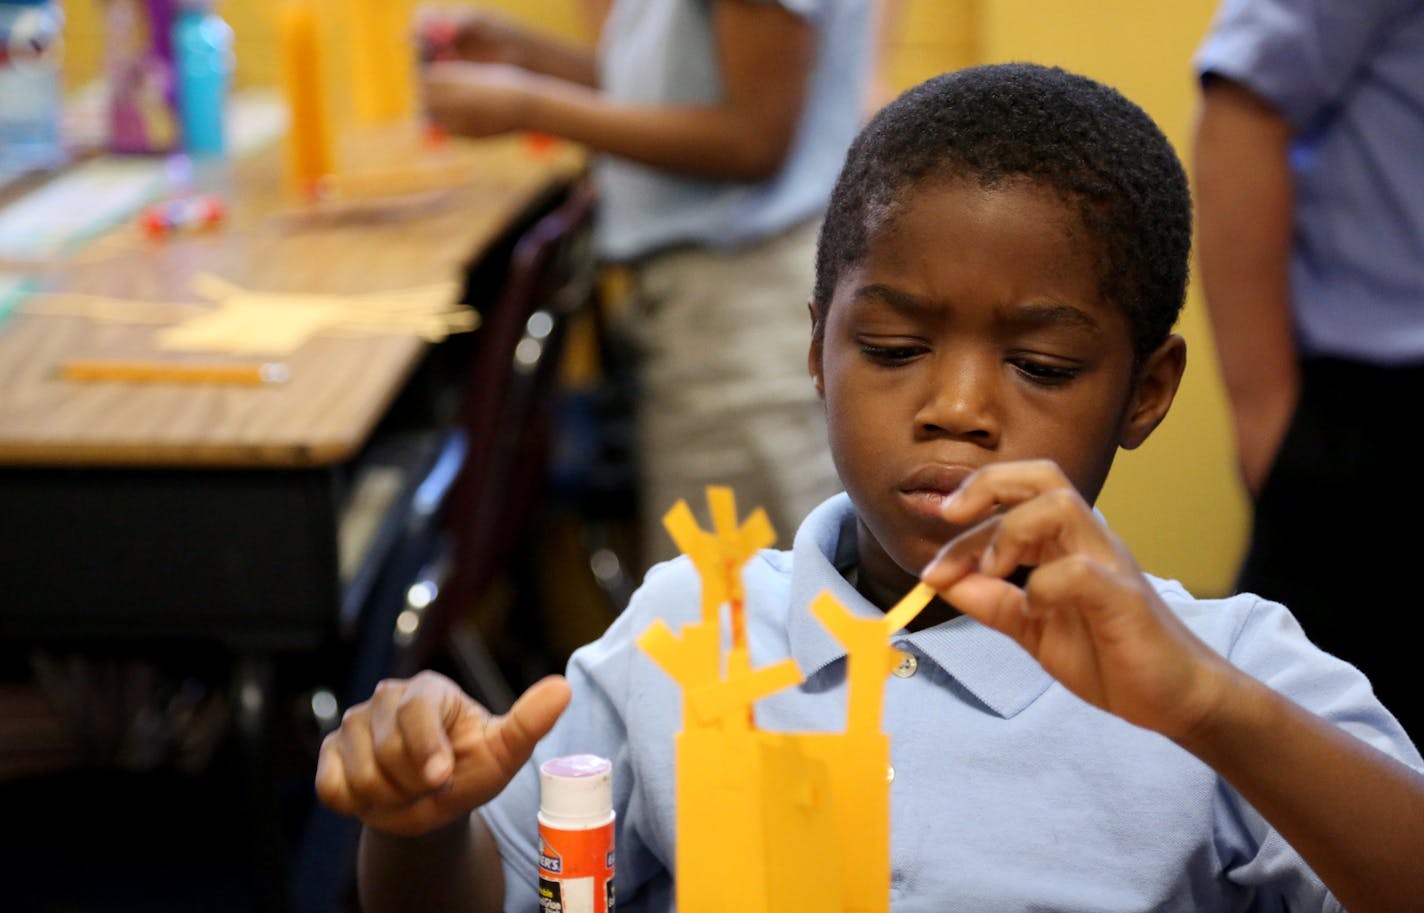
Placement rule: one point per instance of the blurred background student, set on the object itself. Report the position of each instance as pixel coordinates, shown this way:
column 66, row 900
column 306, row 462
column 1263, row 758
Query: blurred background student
column 722, row 126
column 1309, row 159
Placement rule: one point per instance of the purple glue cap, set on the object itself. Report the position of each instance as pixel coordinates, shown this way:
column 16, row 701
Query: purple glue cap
column 576, row 787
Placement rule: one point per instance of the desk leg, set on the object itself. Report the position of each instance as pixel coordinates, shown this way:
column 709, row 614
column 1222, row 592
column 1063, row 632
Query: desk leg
column 266, row 841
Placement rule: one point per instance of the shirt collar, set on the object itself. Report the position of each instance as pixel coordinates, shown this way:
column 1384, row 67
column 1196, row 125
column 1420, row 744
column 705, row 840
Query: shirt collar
column 986, row 663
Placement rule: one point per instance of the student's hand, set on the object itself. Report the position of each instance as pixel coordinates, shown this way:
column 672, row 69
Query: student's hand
column 1261, row 421
column 476, row 99
column 474, row 35
column 421, row 754
column 1086, row 611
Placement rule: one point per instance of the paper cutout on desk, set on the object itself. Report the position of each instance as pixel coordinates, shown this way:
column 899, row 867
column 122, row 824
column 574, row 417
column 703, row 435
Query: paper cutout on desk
column 246, row 322
column 800, row 820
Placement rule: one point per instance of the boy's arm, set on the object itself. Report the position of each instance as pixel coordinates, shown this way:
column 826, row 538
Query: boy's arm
column 455, row 869
column 1095, row 623
column 1244, row 209
column 1353, row 813
column 412, row 764
column 765, row 54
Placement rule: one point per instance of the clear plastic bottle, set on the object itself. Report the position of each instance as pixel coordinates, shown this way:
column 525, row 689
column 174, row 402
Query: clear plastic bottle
column 203, row 60
column 31, row 93
column 576, row 834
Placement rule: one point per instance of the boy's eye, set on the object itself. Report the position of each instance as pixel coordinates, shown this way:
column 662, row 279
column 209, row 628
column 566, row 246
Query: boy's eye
column 1045, row 373
column 890, row 353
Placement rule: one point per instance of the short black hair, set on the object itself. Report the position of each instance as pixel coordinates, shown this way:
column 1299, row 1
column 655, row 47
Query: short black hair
column 1004, row 122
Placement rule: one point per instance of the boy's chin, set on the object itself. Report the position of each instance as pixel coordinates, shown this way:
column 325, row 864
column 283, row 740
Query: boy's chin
column 908, row 565
column 885, row 590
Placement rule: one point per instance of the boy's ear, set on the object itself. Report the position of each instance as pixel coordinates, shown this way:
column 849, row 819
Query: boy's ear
column 1156, row 386
column 813, row 358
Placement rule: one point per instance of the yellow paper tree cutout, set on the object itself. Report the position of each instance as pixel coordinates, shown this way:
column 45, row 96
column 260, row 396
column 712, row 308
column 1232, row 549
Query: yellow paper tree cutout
column 773, row 821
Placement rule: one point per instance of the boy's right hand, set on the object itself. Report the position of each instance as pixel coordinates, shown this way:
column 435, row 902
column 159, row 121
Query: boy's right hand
column 421, row 753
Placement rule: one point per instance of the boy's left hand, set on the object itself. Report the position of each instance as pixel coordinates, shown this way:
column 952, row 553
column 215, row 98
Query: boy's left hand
column 1087, row 613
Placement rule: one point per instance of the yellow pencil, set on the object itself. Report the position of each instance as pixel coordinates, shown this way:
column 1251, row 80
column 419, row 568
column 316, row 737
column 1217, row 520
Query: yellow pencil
column 175, row 372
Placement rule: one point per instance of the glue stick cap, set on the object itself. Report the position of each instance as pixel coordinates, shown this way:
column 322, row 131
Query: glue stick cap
column 576, row 791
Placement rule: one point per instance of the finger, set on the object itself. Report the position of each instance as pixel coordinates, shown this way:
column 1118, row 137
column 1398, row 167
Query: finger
column 512, row 737
column 1041, row 529
column 959, row 556
column 331, row 786
column 1111, row 601
column 1002, row 485
column 368, row 784
column 994, row 603
column 1110, row 640
column 389, row 741
column 432, row 708
column 1087, row 611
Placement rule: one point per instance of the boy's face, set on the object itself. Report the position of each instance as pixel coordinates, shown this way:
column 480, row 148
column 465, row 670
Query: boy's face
column 972, row 333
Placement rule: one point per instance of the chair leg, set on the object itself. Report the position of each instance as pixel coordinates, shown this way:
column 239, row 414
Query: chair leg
column 477, row 670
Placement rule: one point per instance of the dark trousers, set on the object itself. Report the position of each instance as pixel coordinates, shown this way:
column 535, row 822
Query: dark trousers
column 1336, row 531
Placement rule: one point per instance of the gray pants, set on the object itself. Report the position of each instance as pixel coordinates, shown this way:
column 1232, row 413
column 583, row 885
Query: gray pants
column 726, row 398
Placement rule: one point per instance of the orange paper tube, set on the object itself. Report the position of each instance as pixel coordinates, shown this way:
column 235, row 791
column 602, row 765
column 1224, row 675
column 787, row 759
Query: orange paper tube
column 309, row 156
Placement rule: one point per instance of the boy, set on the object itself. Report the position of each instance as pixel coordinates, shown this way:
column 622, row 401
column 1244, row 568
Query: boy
column 1002, row 262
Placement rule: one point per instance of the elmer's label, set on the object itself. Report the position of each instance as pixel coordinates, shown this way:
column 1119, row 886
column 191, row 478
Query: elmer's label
column 576, row 870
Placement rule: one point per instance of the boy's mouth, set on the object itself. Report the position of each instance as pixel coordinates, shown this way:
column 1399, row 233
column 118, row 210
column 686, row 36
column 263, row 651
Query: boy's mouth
column 926, row 489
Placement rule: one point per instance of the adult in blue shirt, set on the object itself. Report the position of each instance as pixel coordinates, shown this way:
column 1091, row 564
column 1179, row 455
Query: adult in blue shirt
column 1002, row 261
column 722, row 126
column 1310, row 180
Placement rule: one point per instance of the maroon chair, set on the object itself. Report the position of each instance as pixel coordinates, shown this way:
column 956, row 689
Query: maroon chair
column 505, row 423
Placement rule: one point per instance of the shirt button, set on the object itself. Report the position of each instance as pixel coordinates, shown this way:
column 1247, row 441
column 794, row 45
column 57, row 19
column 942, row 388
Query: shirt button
column 908, row 665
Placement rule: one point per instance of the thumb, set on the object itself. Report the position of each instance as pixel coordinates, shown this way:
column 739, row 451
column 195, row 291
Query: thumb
column 514, row 735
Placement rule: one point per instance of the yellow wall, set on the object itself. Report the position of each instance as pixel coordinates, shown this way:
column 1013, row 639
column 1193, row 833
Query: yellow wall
column 1176, row 501
column 925, row 37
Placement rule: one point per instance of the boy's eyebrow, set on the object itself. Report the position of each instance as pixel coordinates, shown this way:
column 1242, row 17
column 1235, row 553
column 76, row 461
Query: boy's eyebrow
column 1025, row 315
column 896, row 298
column 1040, row 313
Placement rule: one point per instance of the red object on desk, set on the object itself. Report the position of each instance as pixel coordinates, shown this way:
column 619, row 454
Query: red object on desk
column 195, row 213
column 539, row 144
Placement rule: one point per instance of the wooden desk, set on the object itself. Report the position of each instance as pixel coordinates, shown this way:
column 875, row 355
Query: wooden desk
column 141, row 515
column 339, row 387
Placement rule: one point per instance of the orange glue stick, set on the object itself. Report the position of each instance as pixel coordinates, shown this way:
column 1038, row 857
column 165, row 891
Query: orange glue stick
column 576, row 835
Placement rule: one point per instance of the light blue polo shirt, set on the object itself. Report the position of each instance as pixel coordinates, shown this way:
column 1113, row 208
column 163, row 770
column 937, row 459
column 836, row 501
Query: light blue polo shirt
column 664, row 52
column 1010, row 794
column 1349, row 77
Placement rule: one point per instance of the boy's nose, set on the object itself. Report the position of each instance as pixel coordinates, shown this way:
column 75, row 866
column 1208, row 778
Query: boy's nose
column 961, row 401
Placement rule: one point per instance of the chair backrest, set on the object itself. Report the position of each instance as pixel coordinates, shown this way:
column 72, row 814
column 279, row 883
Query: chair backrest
column 512, row 377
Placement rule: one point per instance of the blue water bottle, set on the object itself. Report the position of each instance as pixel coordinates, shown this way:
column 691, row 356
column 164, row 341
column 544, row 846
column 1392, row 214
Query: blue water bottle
column 31, row 94
column 203, row 60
